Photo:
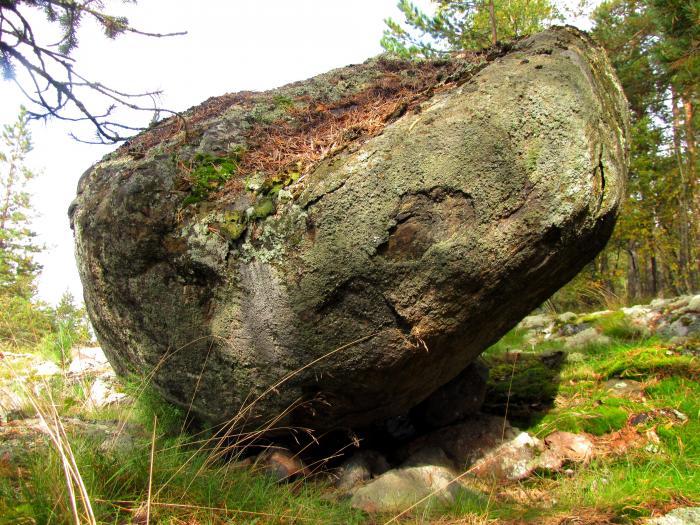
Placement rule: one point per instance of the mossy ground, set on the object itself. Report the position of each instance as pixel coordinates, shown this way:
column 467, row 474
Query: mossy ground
column 650, row 467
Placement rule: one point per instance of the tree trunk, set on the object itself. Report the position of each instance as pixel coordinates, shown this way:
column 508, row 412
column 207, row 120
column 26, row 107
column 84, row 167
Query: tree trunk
column 694, row 269
column 492, row 18
column 632, row 276
column 683, row 230
column 654, row 277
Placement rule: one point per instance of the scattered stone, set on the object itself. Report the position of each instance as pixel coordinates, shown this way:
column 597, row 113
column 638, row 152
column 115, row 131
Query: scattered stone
column 587, row 337
column 679, row 516
column 281, row 464
column 398, row 489
column 361, row 467
column 625, row 388
column 576, row 448
column 514, row 460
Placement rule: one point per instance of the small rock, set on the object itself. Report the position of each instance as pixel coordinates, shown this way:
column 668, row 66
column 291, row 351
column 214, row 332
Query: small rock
column 679, row 516
column 281, row 464
column 398, row 489
column 589, row 336
column 639, row 419
column 513, row 460
column 625, row 387
column 567, row 318
column 567, row 330
column 46, row 369
column 686, row 326
column 535, row 322
column 361, row 467
column 102, row 393
column 577, row 448
column 119, row 443
column 88, row 359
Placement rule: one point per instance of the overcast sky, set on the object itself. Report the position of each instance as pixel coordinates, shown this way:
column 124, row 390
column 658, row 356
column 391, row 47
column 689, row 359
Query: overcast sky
column 230, row 46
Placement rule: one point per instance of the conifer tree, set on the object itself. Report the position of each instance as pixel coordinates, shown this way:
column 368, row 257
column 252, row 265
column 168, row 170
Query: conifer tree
column 46, row 72
column 464, row 24
column 18, row 269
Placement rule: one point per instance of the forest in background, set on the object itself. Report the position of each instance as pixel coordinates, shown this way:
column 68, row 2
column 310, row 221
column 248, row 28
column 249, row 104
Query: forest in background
column 654, row 46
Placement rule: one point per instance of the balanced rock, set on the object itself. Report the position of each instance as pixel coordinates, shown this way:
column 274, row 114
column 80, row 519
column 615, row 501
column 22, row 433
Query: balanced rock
column 329, row 253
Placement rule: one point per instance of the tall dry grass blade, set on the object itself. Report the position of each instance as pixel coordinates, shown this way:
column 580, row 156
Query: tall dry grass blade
column 222, row 510
column 150, row 470
column 510, row 388
column 67, row 452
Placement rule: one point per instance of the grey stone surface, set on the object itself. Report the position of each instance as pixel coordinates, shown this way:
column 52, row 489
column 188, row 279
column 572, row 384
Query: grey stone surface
column 513, row 460
column 679, row 516
column 401, row 488
column 382, row 273
column 589, row 336
column 361, row 467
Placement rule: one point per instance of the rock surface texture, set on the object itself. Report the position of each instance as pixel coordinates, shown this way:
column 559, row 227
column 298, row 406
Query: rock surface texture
column 361, row 236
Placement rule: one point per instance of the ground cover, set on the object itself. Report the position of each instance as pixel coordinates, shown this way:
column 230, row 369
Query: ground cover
column 134, row 460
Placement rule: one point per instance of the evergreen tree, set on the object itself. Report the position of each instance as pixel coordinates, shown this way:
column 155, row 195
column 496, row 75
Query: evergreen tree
column 18, row 269
column 50, row 80
column 654, row 46
column 464, row 24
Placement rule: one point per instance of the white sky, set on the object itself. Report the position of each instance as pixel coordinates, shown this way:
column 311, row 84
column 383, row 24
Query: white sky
column 231, row 46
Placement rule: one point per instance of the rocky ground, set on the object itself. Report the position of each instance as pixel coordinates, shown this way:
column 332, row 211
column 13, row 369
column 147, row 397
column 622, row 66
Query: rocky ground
column 590, row 418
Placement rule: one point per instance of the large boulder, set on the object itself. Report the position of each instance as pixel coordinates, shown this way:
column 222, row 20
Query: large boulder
column 329, row 253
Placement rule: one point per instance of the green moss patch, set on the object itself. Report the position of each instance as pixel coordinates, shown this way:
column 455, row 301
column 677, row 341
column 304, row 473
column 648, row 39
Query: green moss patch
column 208, row 174
column 649, row 361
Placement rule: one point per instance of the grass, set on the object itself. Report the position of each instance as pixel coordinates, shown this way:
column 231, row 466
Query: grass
column 187, row 486
column 646, row 469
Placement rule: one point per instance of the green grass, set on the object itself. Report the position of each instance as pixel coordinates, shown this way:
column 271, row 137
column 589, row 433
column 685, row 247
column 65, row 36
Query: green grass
column 187, row 484
column 570, row 394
